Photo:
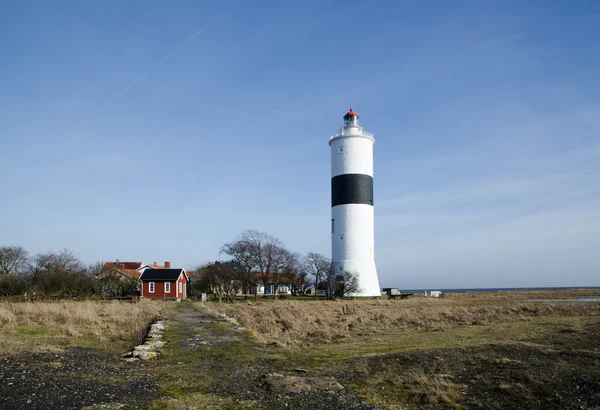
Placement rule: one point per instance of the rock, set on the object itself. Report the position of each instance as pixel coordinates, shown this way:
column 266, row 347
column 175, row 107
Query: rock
column 144, row 348
column 158, row 326
column 144, row 355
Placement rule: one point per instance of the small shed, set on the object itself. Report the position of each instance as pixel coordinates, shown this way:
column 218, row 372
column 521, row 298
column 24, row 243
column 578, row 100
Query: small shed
column 164, row 284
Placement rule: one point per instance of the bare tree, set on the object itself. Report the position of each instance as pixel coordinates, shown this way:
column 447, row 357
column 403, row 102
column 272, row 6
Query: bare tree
column 95, row 268
column 350, row 284
column 220, row 279
column 64, row 260
column 332, row 284
column 12, row 259
column 113, row 284
column 239, row 251
column 318, row 266
column 342, row 285
column 263, row 254
column 59, row 274
column 298, row 278
column 285, row 267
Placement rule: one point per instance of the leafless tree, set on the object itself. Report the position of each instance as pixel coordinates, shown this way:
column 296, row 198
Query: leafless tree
column 95, row 269
column 240, row 253
column 298, row 278
column 64, row 260
column 318, row 266
column 263, row 254
column 342, row 285
column 113, row 284
column 350, row 284
column 12, row 259
column 219, row 278
column 59, row 274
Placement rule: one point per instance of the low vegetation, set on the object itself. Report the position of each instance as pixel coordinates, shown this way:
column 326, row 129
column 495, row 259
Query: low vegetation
column 526, row 294
column 456, row 352
column 292, row 323
column 51, row 326
column 56, row 275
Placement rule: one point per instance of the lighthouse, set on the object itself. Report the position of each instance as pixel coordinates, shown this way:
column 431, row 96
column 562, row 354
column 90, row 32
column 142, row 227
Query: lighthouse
column 352, row 214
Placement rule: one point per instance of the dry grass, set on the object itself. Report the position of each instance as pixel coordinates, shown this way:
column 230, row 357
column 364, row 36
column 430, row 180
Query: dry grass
column 49, row 326
column 398, row 389
column 434, row 389
column 528, row 294
column 294, row 323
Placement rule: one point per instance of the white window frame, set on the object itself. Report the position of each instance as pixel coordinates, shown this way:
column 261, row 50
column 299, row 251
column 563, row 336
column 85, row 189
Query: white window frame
column 151, row 287
column 167, row 287
column 180, row 287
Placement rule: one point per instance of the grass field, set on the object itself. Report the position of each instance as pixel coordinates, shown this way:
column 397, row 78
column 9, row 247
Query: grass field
column 484, row 350
column 290, row 323
column 487, row 350
column 51, row 326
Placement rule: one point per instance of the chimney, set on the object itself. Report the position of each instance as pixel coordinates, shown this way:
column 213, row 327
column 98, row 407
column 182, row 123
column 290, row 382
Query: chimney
column 167, row 265
column 154, row 263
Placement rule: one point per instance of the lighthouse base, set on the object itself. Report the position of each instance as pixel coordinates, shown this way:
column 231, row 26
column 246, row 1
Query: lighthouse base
column 368, row 282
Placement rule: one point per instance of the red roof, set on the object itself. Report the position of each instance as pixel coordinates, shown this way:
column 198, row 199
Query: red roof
column 126, row 268
column 125, row 272
column 121, row 265
column 351, row 114
column 130, row 272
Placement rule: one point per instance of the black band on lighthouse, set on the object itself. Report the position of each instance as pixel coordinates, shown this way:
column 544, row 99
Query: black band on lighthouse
column 352, row 189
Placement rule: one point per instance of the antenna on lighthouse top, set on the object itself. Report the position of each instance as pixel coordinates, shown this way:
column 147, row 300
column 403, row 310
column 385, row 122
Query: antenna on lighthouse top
column 351, row 119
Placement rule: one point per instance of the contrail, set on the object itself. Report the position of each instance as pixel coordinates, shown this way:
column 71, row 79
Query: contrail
column 159, row 63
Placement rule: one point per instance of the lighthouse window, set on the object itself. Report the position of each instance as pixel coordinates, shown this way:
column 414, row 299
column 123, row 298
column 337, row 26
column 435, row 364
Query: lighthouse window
column 341, row 238
column 340, row 150
column 332, row 225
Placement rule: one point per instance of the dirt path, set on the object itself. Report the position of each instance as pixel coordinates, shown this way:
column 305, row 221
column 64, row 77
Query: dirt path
column 242, row 373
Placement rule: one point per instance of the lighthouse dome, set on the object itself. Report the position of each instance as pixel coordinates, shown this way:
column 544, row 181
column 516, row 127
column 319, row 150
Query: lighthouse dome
column 351, row 119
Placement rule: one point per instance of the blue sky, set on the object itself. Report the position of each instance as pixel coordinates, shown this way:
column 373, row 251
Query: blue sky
column 154, row 130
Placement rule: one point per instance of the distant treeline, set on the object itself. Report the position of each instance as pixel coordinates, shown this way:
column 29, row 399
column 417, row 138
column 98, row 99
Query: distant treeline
column 253, row 258
column 56, row 274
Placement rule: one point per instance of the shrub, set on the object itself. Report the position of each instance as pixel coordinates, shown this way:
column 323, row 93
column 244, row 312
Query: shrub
column 11, row 285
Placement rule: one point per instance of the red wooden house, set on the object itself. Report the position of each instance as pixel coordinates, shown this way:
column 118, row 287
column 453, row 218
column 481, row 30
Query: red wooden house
column 164, row 284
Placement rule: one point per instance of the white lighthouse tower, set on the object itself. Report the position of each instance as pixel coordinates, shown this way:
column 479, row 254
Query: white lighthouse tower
column 352, row 216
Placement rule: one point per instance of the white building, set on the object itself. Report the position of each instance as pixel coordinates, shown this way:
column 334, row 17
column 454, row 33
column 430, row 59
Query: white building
column 352, row 214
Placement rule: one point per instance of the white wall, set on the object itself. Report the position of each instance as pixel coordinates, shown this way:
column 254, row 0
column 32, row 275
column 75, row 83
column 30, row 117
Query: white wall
column 354, row 223
column 353, row 236
column 352, row 155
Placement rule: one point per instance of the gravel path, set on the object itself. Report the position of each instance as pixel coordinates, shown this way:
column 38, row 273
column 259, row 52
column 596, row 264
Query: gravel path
column 74, row 379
